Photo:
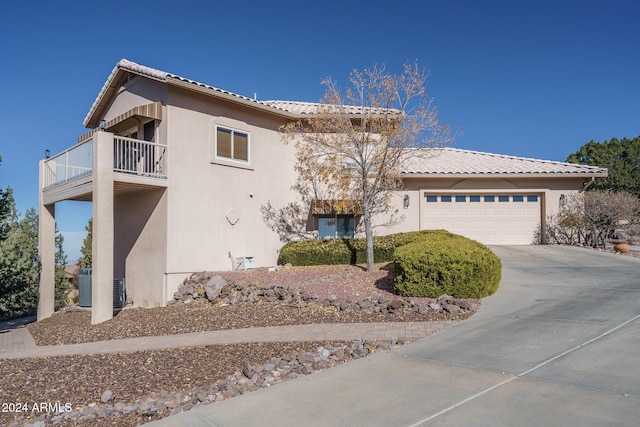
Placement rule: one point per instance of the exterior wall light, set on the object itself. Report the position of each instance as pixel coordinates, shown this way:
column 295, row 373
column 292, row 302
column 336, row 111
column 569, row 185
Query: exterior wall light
column 103, row 125
column 405, row 201
column 47, row 153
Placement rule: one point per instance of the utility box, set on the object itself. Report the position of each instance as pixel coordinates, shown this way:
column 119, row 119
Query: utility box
column 245, row 263
column 84, row 287
column 119, row 294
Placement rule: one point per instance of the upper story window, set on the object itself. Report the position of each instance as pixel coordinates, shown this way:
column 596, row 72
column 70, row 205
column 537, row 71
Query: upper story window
column 232, row 144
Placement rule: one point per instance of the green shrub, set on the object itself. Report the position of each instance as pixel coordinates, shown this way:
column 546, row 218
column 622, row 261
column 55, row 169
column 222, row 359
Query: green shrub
column 445, row 263
column 348, row 251
column 428, row 263
column 315, row 252
column 336, row 251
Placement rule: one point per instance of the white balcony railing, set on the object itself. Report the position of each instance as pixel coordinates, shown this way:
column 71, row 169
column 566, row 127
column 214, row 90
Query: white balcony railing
column 131, row 156
column 72, row 163
column 139, row 157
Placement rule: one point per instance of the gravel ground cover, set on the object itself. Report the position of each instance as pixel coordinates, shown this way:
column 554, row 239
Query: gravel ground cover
column 80, row 380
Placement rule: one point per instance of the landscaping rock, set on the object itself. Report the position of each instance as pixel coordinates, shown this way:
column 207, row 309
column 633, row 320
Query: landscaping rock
column 214, row 286
column 107, row 396
column 247, row 370
column 395, row 305
column 220, row 290
column 451, row 308
column 271, row 373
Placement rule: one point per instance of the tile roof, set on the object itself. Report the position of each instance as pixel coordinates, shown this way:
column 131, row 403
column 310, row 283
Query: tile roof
column 132, row 67
column 290, row 108
column 451, row 161
column 308, row 108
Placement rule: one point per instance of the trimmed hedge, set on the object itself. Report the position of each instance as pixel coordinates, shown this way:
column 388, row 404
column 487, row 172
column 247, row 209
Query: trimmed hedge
column 335, row 251
column 428, row 263
column 446, row 264
column 348, row 251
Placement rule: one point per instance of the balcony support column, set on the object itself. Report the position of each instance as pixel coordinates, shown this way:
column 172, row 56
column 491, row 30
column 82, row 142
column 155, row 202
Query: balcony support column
column 46, row 251
column 102, row 251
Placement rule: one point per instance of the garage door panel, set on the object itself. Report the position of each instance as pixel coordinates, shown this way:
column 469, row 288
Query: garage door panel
column 497, row 222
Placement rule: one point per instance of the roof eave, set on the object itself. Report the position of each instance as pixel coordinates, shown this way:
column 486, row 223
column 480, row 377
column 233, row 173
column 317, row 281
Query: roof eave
column 108, row 91
column 236, row 99
column 507, row 175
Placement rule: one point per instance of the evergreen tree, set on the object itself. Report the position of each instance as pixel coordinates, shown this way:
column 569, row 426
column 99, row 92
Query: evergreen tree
column 85, row 260
column 620, row 157
column 62, row 287
column 19, row 260
column 19, row 266
column 5, row 211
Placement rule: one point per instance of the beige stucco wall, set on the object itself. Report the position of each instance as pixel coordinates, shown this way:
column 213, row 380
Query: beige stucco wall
column 141, row 245
column 163, row 236
column 203, row 192
column 136, row 92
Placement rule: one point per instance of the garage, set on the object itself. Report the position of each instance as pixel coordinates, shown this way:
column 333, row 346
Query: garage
column 490, row 218
column 492, row 198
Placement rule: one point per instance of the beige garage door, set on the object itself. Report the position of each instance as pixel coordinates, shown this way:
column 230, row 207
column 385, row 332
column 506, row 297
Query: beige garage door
column 492, row 219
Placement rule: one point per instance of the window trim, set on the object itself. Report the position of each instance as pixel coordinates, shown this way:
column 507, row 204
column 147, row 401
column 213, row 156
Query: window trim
column 227, row 160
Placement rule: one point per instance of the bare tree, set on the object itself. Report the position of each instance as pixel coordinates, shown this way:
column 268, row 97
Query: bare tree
column 593, row 217
column 356, row 143
column 294, row 221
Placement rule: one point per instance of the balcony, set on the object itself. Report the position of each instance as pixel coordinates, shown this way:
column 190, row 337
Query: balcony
column 136, row 164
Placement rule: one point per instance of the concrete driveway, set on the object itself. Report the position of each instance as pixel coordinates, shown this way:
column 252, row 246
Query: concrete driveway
column 557, row 345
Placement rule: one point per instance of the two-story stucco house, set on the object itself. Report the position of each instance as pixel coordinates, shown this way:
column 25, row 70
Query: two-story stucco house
column 178, row 170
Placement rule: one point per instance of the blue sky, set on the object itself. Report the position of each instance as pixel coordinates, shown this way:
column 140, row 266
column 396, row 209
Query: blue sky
column 534, row 79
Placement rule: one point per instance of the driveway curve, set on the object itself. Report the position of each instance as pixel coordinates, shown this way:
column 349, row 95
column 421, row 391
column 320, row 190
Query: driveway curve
column 558, row 344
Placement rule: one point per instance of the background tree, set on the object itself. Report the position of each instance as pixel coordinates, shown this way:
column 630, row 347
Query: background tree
column 62, row 287
column 19, row 260
column 357, row 142
column 621, row 157
column 85, row 250
column 5, row 211
column 19, row 267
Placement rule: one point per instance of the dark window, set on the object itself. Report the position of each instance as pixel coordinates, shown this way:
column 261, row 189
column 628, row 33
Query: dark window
column 518, row 198
column 489, row 198
column 532, row 198
column 149, row 131
column 474, row 199
column 503, row 198
column 340, row 226
column 432, row 199
column 461, row 198
column 232, row 144
column 445, row 198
